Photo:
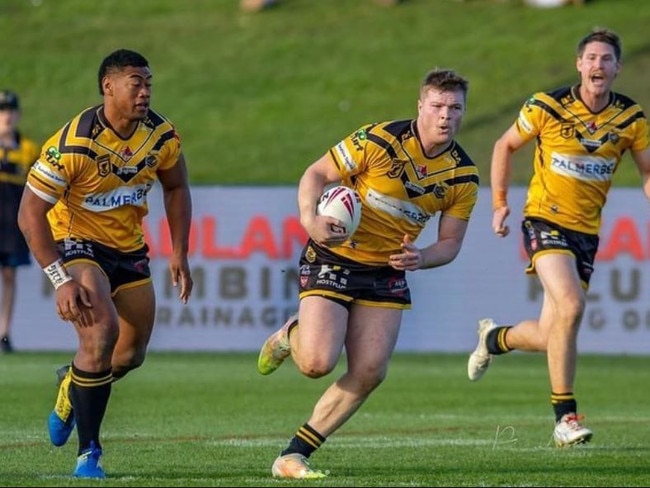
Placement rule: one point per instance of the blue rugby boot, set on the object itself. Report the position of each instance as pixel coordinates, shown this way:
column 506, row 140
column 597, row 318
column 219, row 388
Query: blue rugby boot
column 61, row 422
column 88, row 463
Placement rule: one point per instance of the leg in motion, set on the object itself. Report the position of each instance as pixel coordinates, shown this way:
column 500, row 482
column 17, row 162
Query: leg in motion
column 276, row 348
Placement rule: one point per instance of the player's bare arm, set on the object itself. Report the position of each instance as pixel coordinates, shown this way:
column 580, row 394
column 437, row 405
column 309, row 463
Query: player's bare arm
column 642, row 160
column 500, row 171
column 451, row 233
column 178, row 209
column 312, row 183
column 32, row 220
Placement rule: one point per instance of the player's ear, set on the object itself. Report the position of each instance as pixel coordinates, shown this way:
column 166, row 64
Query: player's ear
column 107, row 86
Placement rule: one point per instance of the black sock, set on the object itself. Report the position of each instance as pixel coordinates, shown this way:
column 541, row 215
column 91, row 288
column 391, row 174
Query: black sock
column 563, row 403
column 496, row 340
column 305, row 442
column 89, row 393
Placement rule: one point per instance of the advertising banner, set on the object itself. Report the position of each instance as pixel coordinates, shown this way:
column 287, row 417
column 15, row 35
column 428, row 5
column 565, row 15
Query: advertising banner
column 244, row 250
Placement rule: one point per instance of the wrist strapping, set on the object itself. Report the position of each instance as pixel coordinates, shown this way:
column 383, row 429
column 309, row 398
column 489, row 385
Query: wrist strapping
column 499, row 199
column 57, row 273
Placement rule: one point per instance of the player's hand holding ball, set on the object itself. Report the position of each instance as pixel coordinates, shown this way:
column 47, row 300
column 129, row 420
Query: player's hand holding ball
column 338, row 216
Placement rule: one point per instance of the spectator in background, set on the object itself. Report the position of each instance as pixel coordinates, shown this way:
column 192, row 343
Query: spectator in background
column 553, row 3
column 17, row 154
column 257, row 5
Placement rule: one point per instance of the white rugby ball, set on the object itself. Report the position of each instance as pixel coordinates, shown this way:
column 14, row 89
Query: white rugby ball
column 344, row 204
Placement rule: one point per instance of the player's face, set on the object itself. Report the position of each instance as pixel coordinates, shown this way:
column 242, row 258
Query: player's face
column 598, row 67
column 8, row 120
column 129, row 91
column 440, row 114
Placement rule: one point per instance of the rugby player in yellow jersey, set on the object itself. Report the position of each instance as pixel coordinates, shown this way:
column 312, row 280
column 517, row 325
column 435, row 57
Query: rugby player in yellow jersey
column 581, row 134
column 81, row 214
column 353, row 289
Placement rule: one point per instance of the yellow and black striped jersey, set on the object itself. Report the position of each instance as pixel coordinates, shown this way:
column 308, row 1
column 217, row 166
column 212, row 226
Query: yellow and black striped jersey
column 576, row 154
column 98, row 182
column 15, row 161
column 400, row 187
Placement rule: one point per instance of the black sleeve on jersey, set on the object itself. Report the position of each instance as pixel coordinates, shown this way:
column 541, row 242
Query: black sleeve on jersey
column 154, row 119
column 631, row 119
column 86, row 129
column 465, row 160
column 548, row 109
column 170, row 134
column 87, row 122
column 560, row 93
column 459, row 180
column 399, row 130
column 65, row 148
column 625, row 102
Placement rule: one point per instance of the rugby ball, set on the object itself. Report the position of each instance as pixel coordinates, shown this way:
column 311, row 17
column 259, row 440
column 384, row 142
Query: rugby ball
column 344, row 204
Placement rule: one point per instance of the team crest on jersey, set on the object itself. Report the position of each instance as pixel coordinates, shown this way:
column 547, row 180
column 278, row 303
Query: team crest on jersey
column 150, row 160
column 310, row 255
column 103, row 165
column 396, row 168
column 567, row 130
column 440, row 190
column 126, row 153
column 305, row 272
column 614, row 137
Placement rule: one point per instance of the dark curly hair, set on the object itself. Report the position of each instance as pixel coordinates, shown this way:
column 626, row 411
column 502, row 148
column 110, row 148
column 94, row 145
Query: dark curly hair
column 118, row 60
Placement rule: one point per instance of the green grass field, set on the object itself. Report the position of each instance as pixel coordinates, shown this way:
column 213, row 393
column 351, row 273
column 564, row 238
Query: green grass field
column 258, row 97
column 212, row 420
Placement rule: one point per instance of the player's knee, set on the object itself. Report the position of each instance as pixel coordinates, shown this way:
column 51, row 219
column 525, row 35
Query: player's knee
column 124, row 363
column 97, row 351
column 570, row 310
column 315, row 368
column 372, row 379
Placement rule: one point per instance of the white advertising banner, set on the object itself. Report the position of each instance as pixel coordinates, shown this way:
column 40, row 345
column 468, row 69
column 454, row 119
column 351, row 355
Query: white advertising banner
column 244, row 252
